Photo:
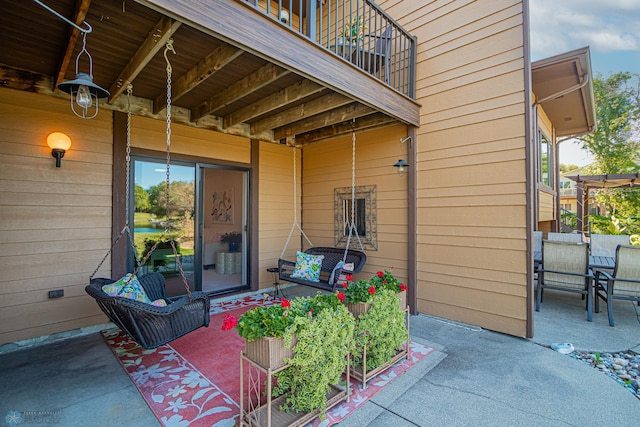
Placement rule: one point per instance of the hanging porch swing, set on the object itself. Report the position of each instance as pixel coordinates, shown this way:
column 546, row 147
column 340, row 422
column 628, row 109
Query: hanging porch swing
column 334, row 262
column 139, row 306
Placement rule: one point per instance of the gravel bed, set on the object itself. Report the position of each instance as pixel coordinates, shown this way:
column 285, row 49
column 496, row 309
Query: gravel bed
column 623, row 367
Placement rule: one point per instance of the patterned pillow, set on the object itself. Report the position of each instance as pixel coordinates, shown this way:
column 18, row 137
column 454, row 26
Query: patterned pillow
column 125, row 288
column 307, row 267
column 159, row 302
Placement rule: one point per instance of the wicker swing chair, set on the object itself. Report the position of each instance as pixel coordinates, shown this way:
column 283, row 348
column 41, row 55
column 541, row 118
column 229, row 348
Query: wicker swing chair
column 149, row 325
column 334, row 259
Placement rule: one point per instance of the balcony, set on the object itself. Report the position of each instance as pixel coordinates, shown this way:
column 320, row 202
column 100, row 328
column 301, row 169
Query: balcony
column 331, row 67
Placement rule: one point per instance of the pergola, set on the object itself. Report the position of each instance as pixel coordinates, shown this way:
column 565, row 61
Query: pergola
column 584, row 183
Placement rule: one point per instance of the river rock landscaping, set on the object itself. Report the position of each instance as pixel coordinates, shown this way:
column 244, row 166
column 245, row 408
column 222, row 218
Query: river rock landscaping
column 623, row 367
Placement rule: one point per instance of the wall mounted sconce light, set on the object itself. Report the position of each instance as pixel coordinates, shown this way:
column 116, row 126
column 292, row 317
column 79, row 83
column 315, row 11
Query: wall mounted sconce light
column 59, row 144
column 401, row 164
column 84, row 92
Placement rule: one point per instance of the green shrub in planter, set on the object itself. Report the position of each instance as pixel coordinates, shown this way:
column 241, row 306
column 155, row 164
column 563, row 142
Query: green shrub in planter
column 320, row 355
column 382, row 329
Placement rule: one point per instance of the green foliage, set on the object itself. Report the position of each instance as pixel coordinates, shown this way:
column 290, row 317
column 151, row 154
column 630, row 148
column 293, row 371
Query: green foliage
column 319, row 358
column 181, row 199
column 141, row 199
column 265, row 321
column 354, row 292
column 382, row 329
column 386, row 280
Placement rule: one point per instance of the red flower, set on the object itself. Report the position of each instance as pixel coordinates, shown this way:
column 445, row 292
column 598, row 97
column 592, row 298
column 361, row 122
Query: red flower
column 384, row 281
column 285, row 302
column 230, row 322
column 380, row 274
column 342, row 297
column 345, row 285
column 403, row 287
column 349, row 277
column 372, row 290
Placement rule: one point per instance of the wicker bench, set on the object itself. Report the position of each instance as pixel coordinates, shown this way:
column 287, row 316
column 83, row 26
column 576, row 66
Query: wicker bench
column 331, row 258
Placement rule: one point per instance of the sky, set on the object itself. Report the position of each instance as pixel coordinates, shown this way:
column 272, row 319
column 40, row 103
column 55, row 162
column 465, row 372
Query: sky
column 611, row 28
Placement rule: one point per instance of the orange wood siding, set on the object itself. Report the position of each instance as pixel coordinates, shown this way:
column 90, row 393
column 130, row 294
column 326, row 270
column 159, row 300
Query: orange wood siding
column 275, row 208
column 471, row 150
column 327, row 166
column 56, row 222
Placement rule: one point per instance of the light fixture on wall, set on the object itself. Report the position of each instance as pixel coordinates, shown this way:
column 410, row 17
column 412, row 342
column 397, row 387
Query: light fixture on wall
column 401, row 164
column 84, row 92
column 59, row 144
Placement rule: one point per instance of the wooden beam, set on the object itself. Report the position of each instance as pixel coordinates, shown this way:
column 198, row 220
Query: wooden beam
column 371, row 121
column 156, row 40
column 81, row 13
column 308, row 109
column 282, row 98
column 240, row 89
column 204, row 69
column 337, row 115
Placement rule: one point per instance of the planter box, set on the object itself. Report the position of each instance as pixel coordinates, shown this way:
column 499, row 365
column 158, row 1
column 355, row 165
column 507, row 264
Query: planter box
column 269, row 352
column 357, row 308
column 359, row 372
column 270, row 415
column 403, row 299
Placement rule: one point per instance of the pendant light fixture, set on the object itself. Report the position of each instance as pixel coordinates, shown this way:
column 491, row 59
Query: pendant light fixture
column 84, row 92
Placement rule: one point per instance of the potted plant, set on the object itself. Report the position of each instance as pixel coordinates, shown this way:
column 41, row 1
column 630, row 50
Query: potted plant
column 356, row 295
column 233, row 239
column 162, row 248
column 386, row 280
column 354, row 30
column 381, row 337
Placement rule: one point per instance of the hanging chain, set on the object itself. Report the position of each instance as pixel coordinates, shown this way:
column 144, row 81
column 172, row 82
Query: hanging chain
column 128, row 150
column 169, row 47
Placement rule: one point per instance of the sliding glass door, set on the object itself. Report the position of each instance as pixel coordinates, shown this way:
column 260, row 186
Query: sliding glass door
column 207, row 219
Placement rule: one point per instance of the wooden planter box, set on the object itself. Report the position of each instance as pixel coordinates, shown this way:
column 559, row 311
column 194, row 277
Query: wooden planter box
column 270, row 415
column 357, row 308
column 269, row 352
column 403, row 299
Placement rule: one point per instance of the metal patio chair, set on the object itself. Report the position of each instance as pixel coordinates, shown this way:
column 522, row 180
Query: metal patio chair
column 624, row 284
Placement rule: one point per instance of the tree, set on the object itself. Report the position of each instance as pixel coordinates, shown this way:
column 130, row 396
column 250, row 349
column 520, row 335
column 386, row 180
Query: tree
column 141, row 199
column 615, row 144
column 181, row 198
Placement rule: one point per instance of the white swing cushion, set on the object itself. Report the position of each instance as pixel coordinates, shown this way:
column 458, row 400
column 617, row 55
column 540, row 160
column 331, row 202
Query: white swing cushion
column 307, row 267
column 342, row 278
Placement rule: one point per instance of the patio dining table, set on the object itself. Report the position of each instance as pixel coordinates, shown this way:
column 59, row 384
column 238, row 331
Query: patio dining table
column 607, row 262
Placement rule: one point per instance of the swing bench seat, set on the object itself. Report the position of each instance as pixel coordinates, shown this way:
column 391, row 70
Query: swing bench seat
column 148, row 325
column 331, row 258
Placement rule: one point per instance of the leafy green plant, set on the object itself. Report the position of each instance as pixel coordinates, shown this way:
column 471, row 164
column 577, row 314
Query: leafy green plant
column 231, row 237
column 319, row 358
column 354, row 292
column 386, row 280
column 597, row 359
column 382, row 330
column 265, row 321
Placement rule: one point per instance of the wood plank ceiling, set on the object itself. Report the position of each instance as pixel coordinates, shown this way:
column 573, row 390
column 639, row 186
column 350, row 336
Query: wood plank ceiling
column 215, row 84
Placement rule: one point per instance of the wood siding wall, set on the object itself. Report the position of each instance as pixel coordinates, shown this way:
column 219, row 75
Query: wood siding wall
column 328, row 166
column 55, row 222
column 472, row 221
column 275, row 208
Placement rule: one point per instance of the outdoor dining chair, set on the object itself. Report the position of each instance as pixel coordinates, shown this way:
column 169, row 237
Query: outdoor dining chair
column 606, row 244
column 564, row 237
column 565, row 267
column 624, row 284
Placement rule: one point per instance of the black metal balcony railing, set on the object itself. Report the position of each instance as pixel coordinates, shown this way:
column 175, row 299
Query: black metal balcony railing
column 357, row 31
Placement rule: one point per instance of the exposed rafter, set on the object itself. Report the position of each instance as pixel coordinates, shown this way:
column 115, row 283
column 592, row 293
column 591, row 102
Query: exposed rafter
column 318, row 121
column 371, row 121
column 203, row 70
column 83, row 8
column 154, row 42
column 264, row 76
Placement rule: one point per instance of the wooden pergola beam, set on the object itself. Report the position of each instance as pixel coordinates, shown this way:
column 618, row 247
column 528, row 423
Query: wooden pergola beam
column 262, row 77
column 207, row 67
column 372, row 121
column 81, row 13
column 156, row 40
column 305, row 110
column 332, row 117
column 283, row 97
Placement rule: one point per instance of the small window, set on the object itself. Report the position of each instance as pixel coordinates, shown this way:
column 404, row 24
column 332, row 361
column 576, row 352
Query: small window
column 545, row 164
column 365, row 224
